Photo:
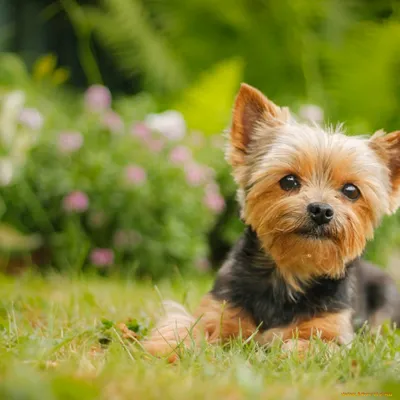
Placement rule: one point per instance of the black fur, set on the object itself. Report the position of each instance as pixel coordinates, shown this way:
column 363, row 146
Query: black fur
column 249, row 279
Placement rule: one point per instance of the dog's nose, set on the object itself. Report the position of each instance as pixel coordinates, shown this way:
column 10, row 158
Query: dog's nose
column 320, row 213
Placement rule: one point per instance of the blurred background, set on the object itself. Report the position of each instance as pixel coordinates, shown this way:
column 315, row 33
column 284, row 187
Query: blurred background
column 112, row 113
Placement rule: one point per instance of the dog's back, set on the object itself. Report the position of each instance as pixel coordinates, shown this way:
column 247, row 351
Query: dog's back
column 377, row 298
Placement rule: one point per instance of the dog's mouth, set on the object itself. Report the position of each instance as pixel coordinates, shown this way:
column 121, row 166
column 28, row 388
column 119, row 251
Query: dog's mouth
column 315, row 232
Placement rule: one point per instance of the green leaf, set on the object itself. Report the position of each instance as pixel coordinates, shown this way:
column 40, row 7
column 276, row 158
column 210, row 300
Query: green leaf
column 207, row 104
column 363, row 82
column 12, row 69
column 107, row 324
column 127, row 31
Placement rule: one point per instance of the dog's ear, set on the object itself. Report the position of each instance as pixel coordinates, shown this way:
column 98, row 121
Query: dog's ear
column 252, row 110
column 387, row 147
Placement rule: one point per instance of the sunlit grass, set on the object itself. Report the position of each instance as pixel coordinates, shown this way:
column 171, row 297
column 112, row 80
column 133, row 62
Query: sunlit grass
column 61, row 339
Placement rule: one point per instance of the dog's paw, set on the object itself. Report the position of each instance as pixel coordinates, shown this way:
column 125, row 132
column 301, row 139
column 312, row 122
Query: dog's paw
column 163, row 349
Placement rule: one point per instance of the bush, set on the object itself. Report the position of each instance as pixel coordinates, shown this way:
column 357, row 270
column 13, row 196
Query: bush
column 103, row 190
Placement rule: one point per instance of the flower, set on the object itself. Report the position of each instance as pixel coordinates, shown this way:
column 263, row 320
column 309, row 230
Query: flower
column 180, row 154
column 76, row 201
column 213, row 200
column 141, row 130
column 126, row 238
column 69, row 142
column 31, row 118
column 6, row 171
column 195, row 174
column 170, row 124
column 312, row 112
column 135, row 174
column 97, row 98
column 102, row 257
column 112, row 121
column 9, row 113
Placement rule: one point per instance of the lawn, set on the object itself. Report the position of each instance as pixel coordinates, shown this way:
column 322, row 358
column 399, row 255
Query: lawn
column 63, row 339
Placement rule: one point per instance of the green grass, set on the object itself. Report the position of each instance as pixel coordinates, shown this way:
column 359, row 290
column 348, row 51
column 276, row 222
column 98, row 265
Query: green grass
column 59, row 339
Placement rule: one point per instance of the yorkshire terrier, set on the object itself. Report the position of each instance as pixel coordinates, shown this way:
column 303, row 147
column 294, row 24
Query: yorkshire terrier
column 310, row 199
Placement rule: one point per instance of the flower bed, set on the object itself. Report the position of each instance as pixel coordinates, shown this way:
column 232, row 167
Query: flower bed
column 104, row 191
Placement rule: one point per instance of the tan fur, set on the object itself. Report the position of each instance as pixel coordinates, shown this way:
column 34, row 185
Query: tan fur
column 271, row 146
column 221, row 321
column 250, row 108
column 175, row 329
column 330, row 327
column 266, row 145
column 216, row 321
column 213, row 321
column 388, row 149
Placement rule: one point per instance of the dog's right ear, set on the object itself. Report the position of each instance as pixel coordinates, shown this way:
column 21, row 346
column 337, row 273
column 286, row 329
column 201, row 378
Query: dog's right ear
column 387, row 147
column 252, row 111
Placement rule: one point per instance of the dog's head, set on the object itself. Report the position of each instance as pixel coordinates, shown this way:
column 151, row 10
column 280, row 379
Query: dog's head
column 313, row 196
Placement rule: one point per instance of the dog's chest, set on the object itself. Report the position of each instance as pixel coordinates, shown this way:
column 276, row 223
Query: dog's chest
column 272, row 305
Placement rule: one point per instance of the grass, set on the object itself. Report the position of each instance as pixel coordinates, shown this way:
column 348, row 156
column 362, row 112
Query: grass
column 60, row 338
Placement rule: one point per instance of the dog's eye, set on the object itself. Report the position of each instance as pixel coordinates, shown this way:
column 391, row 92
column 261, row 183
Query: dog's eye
column 289, row 182
column 351, row 191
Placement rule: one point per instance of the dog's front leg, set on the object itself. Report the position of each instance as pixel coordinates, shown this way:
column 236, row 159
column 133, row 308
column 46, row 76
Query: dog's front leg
column 214, row 321
column 333, row 328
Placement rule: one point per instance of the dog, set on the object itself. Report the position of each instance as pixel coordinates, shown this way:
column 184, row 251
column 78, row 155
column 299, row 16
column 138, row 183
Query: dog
column 310, row 199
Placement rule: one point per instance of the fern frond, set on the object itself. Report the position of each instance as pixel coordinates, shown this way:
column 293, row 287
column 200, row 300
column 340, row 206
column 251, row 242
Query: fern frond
column 126, row 30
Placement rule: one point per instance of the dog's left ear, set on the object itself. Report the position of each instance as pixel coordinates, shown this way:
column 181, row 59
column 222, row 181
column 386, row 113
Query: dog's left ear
column 251, row 111
column 388, row 149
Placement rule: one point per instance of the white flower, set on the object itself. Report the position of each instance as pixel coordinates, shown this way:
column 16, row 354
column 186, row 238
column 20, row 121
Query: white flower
column 312, row 112
column 6, row 171
column 31, row 118
column 171, row 124
column 12, row 105
column 15, row 101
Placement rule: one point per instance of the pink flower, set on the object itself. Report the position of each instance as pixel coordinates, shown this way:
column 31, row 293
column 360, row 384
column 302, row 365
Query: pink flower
column 214, row 201
column 31, row 118
column 102, row 257
column 76, row 201
column 126, row 238
column 97, row 98
column 113, row 122
column 69, row 142
column 195, row 174
column 135, row 174
column 141, row 130
column 180, row 154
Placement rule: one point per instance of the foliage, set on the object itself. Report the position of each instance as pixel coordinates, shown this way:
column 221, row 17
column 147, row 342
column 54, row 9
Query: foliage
column 190, row 56
column 135, row 44
column 103, row 189
column 221, row 82
column 46, row 68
